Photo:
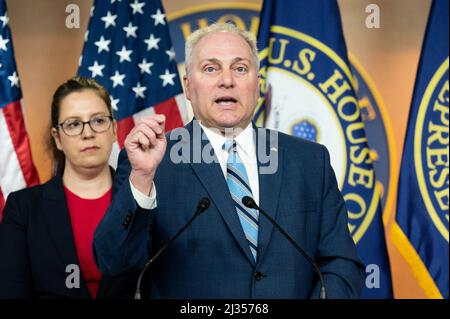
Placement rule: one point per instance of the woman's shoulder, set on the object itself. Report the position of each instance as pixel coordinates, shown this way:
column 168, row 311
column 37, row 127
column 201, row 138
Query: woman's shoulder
column 31, row 192
column 30, row 197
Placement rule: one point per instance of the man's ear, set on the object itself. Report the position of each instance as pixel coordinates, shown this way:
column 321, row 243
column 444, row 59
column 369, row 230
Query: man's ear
column 56, row 138
column 186, row 87
column 259, row 85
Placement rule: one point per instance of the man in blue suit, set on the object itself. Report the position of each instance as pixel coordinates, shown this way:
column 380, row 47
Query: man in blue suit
column 230, row 251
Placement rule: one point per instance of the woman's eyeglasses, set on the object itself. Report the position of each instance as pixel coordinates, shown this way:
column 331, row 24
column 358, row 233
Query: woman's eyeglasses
column 98, row 124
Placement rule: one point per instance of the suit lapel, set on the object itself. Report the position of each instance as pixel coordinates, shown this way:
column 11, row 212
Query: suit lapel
column 60, row 228
column 269, row 186
column 212, row 179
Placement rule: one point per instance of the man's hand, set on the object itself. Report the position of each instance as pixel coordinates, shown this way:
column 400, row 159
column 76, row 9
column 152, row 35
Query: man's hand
column 145, row 146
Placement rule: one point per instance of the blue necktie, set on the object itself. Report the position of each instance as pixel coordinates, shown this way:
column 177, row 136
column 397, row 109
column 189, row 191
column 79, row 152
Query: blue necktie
column 238, row 185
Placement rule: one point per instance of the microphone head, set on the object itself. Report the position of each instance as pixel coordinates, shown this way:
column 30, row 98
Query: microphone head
column 249, row 202
column 203, row 204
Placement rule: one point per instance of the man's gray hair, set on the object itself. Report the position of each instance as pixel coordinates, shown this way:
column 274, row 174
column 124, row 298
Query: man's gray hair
column 197, row 35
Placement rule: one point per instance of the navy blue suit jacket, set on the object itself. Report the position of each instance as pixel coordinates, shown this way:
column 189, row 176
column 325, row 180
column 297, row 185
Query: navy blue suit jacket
column 37, row 244
column 212, row 259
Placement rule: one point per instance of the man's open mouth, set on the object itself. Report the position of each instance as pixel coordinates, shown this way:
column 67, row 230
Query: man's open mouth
column 226, row 100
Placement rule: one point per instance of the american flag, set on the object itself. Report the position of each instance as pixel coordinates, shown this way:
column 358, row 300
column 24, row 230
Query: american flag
column 16, row 166
column 128, row 50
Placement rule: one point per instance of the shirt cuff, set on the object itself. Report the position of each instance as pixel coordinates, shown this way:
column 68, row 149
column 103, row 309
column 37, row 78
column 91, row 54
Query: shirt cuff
column 144, row 201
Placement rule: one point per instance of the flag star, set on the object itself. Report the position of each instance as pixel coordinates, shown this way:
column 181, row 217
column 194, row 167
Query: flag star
column 14, row 79
column 171, row 54
column 145, row 66
column 124, row 54
column 3, row 43
column 112, row 1
column 4, row 19
column 102, row 44
column 139, row 90
column 159, row 17
column 86, row 35
column 80, row 60
column 115, row 103
column 152, row 42
column 96, row 69
column 117, row 79
column 92, row 10
column 167, row 78
column 110, row 20
column 130, row 30
column 137, row 6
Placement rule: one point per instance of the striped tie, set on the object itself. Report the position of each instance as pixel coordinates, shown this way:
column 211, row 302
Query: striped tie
column 238, row 185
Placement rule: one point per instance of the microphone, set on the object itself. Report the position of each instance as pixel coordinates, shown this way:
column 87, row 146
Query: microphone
column 250, row 203
column 202, row 205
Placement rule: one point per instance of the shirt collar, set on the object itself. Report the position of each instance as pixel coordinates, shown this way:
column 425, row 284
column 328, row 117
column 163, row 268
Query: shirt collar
column 245, row 140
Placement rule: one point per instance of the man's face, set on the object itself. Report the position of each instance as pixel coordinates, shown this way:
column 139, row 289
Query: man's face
column 222, row 83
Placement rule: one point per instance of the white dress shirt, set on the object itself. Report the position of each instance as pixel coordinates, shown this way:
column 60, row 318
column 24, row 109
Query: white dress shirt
column 246, row 149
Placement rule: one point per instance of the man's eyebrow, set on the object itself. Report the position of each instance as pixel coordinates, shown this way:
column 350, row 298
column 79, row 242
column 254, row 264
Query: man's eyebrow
column 239, row 59
column 217, row 61
column 213, row 60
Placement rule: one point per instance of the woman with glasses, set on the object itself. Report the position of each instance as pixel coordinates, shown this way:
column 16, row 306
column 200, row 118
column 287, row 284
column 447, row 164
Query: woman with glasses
column 47, row 231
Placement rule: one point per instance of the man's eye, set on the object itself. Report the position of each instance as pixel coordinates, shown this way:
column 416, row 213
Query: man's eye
column 241, row 69
column 209, row 69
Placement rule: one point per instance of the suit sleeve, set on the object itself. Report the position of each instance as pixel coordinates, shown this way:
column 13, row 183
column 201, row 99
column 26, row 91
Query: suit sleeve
column 337, row 256
column 122, row 239
column 15, row 274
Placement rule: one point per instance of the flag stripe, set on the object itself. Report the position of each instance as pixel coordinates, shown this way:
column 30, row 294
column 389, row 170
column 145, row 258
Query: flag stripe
column 2, row 204
column 124, row 126
column 181, row 104
column 11, row 175
column 170, row 109
column 16, row 126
